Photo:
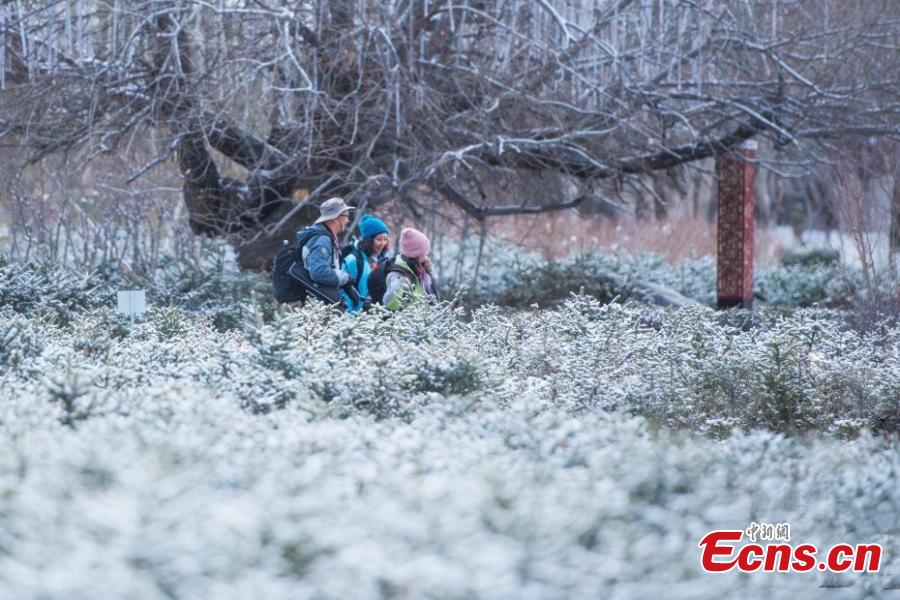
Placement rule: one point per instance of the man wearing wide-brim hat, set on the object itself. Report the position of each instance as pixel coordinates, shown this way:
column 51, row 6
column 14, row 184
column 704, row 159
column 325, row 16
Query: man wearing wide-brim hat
column 320, row 253
column 331, row 212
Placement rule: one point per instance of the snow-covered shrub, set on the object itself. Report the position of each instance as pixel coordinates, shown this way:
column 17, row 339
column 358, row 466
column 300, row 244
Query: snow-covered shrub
column 527, row 281
column 208, row 284
column 806, row 284
column 606, row 277
column 50, row 290
column 460, row 274
column 810, row 257
column 379, row 363
column 693, row 367
column 19, row 339
column 514, row 277
column 179, row 493
column 688, row 366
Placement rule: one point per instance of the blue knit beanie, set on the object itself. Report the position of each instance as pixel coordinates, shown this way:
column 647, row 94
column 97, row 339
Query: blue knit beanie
column 370, row 226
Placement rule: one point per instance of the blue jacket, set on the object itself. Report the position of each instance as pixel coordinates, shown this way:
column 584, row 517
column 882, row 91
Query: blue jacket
column 362, row 284
column 321, row 257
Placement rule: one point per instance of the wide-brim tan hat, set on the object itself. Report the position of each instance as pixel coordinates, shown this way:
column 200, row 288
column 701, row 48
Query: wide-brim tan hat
column 332, row 209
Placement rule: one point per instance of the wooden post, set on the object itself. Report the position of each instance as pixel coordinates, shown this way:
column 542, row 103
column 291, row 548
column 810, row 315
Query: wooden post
column 735, row 171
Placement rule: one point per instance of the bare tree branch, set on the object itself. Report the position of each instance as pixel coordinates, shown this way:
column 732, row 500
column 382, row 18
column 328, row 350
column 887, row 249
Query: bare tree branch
column 269, row 100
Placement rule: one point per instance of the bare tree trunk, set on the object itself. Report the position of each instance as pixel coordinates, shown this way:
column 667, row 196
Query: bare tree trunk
column 894, row 235
column 481, row 239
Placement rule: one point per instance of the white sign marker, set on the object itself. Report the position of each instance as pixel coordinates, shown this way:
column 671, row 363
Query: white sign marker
column 132, row 303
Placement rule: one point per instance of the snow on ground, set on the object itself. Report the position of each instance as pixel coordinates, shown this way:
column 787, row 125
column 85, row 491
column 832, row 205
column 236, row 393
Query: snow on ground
column 129, row 469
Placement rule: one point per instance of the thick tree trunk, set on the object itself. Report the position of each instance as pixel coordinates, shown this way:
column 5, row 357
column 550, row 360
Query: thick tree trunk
column 256, row 251
column 254, row 215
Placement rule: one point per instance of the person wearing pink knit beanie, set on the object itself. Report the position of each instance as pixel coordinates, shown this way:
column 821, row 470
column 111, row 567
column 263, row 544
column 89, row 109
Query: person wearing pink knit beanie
column 413, row 243
column 410, row 276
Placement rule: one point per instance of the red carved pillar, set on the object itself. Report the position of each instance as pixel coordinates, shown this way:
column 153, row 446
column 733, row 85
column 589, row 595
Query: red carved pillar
column 735, row 171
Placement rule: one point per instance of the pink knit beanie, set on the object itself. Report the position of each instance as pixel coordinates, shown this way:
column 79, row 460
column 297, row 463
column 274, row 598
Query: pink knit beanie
column 413, row 243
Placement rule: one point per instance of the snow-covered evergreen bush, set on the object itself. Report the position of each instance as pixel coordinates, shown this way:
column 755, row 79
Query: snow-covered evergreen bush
column 50, row 290
column 807, row 284
column 174, row 491
column 19, row 338
column 209, row 283
column 517, row 278
column 690, row 367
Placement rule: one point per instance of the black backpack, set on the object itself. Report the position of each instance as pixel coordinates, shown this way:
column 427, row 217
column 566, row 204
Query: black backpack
column 378, row 279
column 285, row 287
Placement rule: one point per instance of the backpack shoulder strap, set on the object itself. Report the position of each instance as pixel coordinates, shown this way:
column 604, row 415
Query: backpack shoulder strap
column 360, row 257
column 393, row 268
column 311, row 237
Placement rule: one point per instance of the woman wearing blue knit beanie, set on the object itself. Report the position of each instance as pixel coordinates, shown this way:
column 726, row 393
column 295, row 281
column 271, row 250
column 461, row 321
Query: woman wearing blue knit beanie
column 369, row 254
column 372, row 227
